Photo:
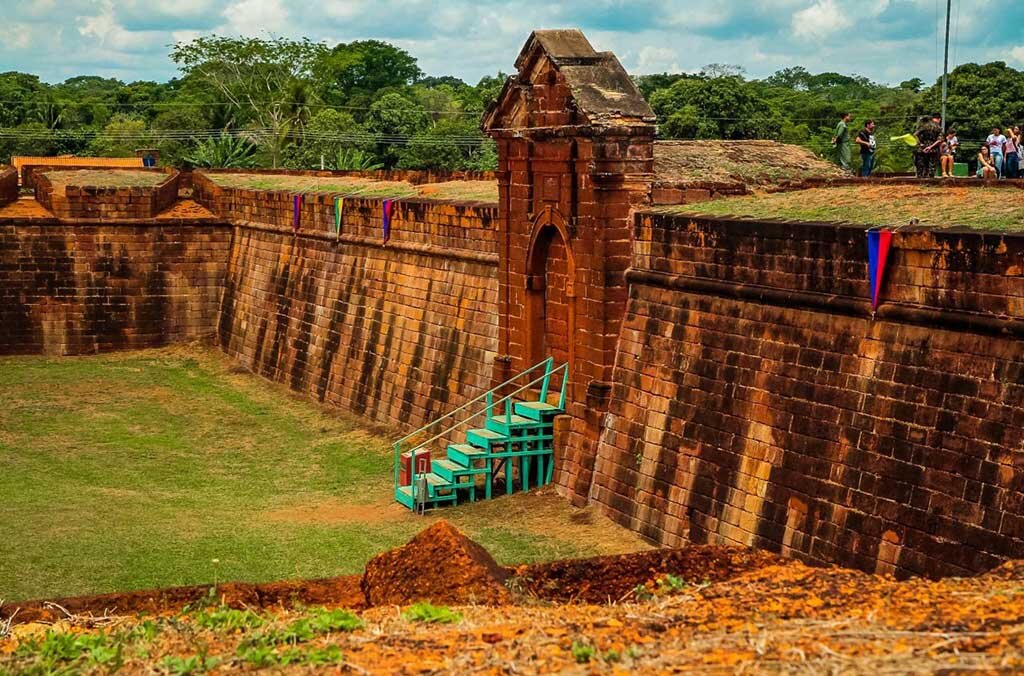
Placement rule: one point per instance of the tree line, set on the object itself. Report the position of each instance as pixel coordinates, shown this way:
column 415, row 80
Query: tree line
column 247, row 102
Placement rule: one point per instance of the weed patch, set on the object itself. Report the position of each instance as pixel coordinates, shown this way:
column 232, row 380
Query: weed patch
column 426, row 612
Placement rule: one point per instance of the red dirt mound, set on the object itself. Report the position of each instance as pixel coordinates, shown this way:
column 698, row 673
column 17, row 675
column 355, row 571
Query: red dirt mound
column 441, row 565
column 336, row 591
column 604, row 578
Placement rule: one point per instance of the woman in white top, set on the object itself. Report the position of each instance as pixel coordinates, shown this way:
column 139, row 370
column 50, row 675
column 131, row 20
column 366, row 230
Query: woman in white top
column 995, row 143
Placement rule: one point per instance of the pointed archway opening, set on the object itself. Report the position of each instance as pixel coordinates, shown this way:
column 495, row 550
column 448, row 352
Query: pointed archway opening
column 550, row 306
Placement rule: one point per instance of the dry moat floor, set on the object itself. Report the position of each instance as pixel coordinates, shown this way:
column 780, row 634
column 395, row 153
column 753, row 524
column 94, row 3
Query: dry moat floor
column 137, row 470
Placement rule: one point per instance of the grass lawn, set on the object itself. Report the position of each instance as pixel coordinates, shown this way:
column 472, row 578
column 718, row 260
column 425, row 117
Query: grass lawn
column 483, row 191
column 136, row 470
column 107, row 178
column 983, row 208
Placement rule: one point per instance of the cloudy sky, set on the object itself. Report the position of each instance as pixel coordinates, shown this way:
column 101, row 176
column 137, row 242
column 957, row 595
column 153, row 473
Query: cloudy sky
column 886, row 40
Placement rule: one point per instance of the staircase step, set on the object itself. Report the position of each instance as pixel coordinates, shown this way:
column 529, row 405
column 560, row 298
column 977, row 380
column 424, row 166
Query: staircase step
column 537, row 410
column 465, row 453
column 403, row 494
column 485, row 438
column 451, row 470
column 505, row 424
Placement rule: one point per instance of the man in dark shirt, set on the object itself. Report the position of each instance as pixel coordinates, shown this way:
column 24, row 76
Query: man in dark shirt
column 926, row 156
column 866, row 140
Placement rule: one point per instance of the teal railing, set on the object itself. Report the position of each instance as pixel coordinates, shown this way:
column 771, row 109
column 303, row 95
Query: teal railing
column 490, row 403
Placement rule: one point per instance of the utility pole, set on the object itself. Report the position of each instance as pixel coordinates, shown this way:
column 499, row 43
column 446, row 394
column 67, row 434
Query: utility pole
column 945, row 69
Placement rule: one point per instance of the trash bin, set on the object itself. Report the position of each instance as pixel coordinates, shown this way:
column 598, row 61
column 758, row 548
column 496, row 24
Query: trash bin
column 405, row 467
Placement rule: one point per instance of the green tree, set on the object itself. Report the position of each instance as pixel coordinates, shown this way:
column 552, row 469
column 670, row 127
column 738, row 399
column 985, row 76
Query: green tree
column 20, row 93
column 30, row 138
column 394, row 119
column 170, row 135
column 327, row 134
column 120, row 137
column 722, row 107
column 981, row 96
column 357, row 70
column 225, row 151
column 257, row 77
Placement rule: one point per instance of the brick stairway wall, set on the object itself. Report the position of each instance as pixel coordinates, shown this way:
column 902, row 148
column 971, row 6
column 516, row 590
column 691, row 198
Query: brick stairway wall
column 398, row 334
column 756, row 401
column 90, row 287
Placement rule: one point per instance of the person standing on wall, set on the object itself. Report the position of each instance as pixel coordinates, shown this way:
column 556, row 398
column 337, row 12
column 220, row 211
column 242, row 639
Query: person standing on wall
column 866, row 140
column 841, row 142
column 926, row 156
column 995, row 143
column 1011, row 165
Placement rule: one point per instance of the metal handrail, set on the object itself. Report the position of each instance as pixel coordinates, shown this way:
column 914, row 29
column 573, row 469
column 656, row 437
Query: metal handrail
column 488, row 409
column 476, row 399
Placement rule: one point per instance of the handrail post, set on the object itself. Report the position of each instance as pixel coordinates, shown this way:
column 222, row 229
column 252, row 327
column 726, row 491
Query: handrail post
column 565, row 382
column 544, row 384
column 398, row 460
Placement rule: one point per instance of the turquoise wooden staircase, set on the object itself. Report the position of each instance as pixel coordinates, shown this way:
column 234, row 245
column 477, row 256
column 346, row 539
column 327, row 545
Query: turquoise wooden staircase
column 515, row 442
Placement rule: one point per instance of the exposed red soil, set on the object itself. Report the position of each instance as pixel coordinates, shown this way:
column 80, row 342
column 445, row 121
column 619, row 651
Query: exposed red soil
column 441, row 565
column 340, row 591
column 612, row 578
column 189, row 209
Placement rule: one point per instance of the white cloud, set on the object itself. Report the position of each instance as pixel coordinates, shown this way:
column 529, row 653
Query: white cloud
column 1017, row 54
column 106, row 30
column 821, row 20
column 257, row 17
column 652, row 59
column 15, row 36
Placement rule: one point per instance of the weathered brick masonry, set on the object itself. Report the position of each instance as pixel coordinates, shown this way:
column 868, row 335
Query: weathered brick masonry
column 105, row 202
column 74, row 288
column 399, row 333
column 757, row 402
column 8, row 185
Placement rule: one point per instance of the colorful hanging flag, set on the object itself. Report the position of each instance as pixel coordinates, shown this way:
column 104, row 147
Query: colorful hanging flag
column 296, row 210
column 386, row 208
column 879, row 242
column 339, row 203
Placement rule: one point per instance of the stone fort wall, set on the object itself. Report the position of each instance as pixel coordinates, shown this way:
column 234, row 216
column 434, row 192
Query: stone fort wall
column 756, row 401
column 753, row 397
column 398, row 332
column 93, row 286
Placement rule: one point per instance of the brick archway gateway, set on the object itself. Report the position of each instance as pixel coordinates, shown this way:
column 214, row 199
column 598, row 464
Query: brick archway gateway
column 550, row 290
column 575, row 157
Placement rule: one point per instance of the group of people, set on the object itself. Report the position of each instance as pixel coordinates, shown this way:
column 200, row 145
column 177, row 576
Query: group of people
column 865, row 139
column 1000, row 156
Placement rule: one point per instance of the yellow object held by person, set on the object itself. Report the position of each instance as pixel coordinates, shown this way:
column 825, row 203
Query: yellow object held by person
column 909, row 139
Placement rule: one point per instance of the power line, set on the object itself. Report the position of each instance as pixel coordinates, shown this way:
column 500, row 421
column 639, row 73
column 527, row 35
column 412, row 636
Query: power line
column 222, row 104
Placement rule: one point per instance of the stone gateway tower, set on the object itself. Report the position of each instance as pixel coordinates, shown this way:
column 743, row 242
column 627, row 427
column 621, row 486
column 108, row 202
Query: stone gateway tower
column 576, row 154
